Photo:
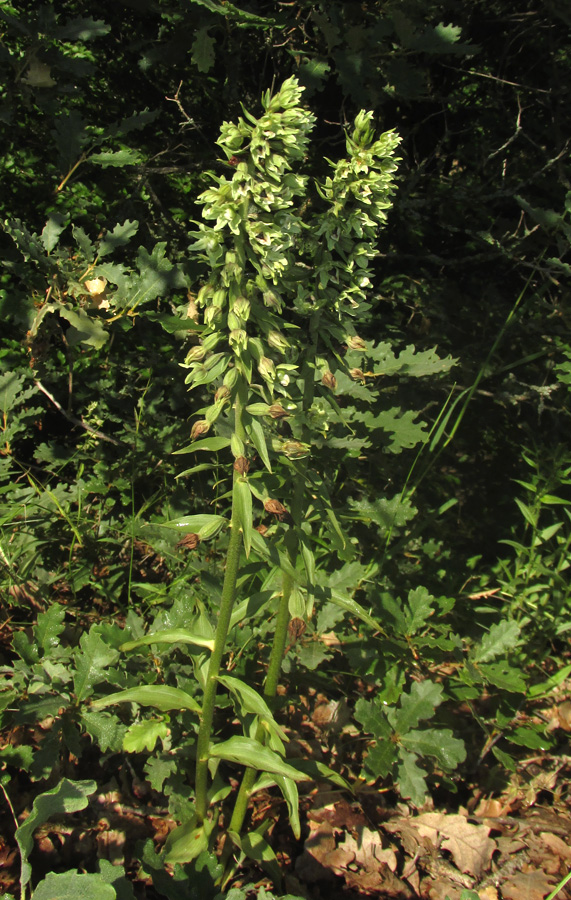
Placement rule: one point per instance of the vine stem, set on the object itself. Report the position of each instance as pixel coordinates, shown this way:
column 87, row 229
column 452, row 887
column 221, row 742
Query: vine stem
column 224, row 615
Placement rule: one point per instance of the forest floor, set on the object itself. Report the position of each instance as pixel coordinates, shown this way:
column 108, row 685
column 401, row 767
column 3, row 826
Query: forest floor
column 507, row 841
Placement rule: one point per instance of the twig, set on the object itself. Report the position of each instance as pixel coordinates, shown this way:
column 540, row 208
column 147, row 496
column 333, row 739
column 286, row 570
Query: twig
column 76, row 421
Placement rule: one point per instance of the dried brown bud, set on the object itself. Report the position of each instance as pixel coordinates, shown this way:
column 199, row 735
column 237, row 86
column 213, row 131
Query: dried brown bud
column 241, row 465
column 277, row 411
column 357, row 374
column 188, row 542
column 277, row 509
column 329, row 380
column 262, row 529
column 295, row 629
column 198, row 429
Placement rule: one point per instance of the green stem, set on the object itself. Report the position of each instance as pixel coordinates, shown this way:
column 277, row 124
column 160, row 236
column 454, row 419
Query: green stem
column 224, row 615
column 282, row 618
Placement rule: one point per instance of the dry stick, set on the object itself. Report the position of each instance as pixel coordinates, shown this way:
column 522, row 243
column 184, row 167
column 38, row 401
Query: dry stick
column 76, row 421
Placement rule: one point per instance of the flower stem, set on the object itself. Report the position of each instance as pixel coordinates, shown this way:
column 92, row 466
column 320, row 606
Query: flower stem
column 283, row 617
column 224, row 615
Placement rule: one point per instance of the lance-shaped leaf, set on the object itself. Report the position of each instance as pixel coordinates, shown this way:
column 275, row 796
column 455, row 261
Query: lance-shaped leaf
column 290, row 795
column 159, row 696
column 251, row 702
column 206, row 525
column 169, row 636
column 187, row 841
column 212, row 444
column 243, row 501
column 259, row 441
column 248, row 752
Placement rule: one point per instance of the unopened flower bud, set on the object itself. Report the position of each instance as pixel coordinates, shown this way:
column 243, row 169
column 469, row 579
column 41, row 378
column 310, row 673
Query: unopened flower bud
column 195, row 354
column 238, row 338
column 354, row 342
column 241, row 308
column 230, row 378
column 212, row 314
column 277, row 340
column 357, row 374
column 267, row 369
column 294, row 449
column 272, row 300
column 198, row 429
column 223, row 393
column 329, row 380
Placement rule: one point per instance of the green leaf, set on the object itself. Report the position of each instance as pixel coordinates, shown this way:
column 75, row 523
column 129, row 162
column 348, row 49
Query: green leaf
column 404, row 431
column 249, row 699
column 204, row 522
column 187, row 841
column 318, row 771
column 373, row 718
column 505, row 677
column 49, row 627
column 114, row 875
column 66, row 797
column 545, row 687
column 248, row 752
column 81, row 29
column 501, row 637
column 144, row 735
column 116, row 158
column 120, row 236
column 159, row 696
column 529, row 737
column 438, row 743
column 92, row 658
column 213, row 443
column 419, row 704
column 71, row 136
column 381, row 758
column 254, row 846
column 73, row 886
column 507, row 761
column 202, row 49
column 290, row 794
column 411, row 779
column 84, row 329
column 256, row 433
column 243, row 506
column 169, row 636
column 105, row 729
column 420, row 604
column 52, row 230
column 83, row 242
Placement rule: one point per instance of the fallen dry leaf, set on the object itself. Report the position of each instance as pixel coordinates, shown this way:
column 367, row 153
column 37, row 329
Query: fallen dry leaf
column 470, row 845
column 556, row 845
column 527, row 886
